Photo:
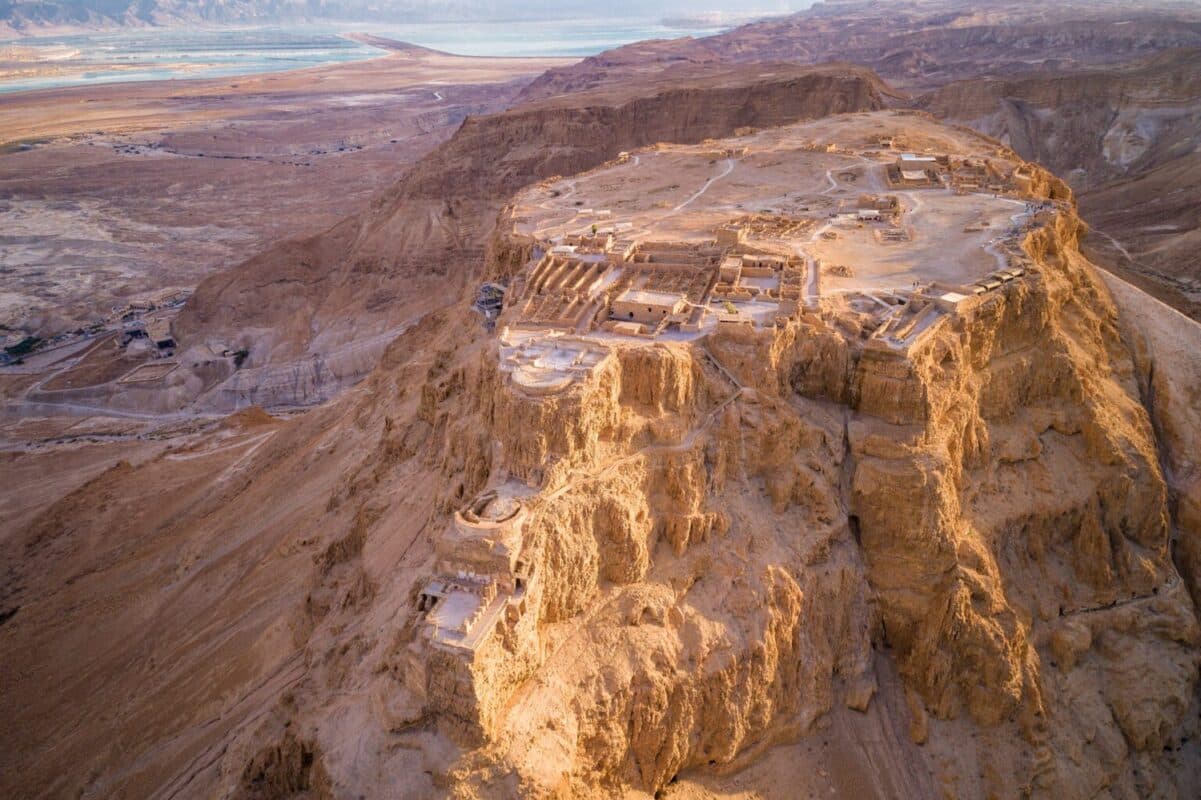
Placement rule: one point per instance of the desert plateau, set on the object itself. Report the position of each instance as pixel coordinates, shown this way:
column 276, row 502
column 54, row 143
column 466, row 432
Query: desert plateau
column 808, row 410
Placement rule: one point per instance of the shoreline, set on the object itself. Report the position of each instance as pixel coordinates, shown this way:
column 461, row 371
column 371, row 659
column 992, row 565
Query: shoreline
column 45, row 69
column 396, row 69
column 15, row 36
column 389, row 50
column 566, row 41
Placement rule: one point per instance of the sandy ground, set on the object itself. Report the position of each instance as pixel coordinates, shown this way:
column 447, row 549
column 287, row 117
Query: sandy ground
column 35, row 479
column 683, row 193
column 146, row 105
column 112, row 191
column 940, row 249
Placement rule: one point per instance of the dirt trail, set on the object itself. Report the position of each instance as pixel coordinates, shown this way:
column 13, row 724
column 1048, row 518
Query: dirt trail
column 727, row 169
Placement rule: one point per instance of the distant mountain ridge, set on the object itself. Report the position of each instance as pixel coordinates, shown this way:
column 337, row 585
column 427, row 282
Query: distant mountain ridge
column 24, row 16
column 31, row 17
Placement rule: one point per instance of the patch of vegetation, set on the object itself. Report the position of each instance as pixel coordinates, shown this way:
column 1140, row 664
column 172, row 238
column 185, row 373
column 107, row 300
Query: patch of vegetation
column 20, row 145
column 23, row 347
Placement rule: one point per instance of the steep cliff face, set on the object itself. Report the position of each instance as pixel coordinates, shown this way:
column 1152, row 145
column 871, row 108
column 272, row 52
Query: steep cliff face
column 1015, row 524
column 730, row 542
column 675, row 631
column 727, row 544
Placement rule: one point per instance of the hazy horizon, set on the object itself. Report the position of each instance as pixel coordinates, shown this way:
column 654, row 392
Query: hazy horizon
column 28, row 18
column 126, row 54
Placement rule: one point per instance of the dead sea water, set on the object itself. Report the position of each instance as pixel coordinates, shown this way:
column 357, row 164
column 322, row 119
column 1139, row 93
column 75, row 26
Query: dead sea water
column 75, row 60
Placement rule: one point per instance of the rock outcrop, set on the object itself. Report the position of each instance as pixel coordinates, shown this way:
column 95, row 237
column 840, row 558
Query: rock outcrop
column 1124, row 138
column 915, row 46
column 1105, row 95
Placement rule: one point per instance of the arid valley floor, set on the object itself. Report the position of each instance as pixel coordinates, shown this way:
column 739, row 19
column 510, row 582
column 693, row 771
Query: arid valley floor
column 113, row 193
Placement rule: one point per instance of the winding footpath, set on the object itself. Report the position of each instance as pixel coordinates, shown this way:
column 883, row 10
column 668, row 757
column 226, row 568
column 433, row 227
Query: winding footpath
column 729, row 167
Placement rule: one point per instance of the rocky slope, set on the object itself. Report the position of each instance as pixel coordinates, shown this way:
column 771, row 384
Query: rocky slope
column 917, row 45
column 1017, row 586
column 974, row 563
column 731, row 542
column 1165, row 345
column 1094, row 127
column 997, row 495
column 315, row 298
column 1125, row 138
